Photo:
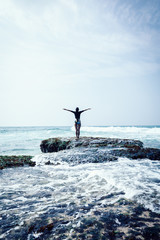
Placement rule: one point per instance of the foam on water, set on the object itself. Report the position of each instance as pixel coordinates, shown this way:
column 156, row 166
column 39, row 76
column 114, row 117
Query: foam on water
column 136, row 179
column 27, row 192
column 150, row 130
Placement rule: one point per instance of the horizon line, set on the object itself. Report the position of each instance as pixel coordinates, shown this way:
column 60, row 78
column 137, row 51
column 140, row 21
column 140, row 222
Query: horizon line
column 130, row 125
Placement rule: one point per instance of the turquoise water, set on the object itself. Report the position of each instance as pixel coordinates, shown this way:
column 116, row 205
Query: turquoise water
column 26, row 140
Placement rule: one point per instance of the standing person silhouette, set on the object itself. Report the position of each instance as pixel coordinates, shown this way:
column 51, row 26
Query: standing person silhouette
column 77, row 114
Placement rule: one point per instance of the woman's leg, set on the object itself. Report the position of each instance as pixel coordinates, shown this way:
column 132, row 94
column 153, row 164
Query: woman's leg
column 78, row 130
column 77, row 127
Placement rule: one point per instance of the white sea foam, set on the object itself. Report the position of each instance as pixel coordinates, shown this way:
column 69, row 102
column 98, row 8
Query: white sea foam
column 142, row 130
column 28, row 192
column 86, row 183
column 33, row 191
column 138, row 179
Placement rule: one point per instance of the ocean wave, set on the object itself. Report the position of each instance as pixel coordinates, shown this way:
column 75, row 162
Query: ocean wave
column 148, row 130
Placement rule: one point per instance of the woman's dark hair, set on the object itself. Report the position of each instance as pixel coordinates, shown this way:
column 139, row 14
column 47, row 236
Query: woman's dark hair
column 77, row 109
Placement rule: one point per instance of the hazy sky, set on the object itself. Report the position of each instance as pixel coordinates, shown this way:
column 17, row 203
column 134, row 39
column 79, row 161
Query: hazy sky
column 58, row 54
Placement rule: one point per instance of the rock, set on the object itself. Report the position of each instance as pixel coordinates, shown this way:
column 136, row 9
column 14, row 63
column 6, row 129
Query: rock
column 151, row 233
column 53, row 145
column 57, row 144
column 123, row 219
column 129, row 148
column 47, row 227
column 50, row 163
column 15, row 161
column 134, row 153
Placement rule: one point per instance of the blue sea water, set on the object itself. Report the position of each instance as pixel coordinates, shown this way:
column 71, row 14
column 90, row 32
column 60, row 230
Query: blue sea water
column 26, row 140
column 28, row 192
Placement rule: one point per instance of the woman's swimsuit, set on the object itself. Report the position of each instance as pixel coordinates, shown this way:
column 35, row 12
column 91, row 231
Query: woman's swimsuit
column 77, row 116
column 78, row 122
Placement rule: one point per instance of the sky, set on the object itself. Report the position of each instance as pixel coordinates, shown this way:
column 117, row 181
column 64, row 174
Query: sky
column 98, row 54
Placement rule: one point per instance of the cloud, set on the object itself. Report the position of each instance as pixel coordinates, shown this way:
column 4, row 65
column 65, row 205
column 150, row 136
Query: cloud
column 83, row 30
column 65, row 48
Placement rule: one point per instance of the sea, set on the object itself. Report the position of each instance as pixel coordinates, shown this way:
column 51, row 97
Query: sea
column 26, row 140
column 28, row 192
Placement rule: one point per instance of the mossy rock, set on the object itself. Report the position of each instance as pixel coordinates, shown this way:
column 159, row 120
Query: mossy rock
column 53, row 145
column 15, row 161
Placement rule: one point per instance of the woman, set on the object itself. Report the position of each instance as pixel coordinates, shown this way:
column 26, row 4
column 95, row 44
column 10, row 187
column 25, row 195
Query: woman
column 77, row 114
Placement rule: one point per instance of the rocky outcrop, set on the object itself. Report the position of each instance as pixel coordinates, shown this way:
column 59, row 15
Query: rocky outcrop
column 57, row 144
column 15, row 161
column 129, row 148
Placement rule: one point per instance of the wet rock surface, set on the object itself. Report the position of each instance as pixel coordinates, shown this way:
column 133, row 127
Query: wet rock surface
column 121, row 220
column 134, row 153
column 15, row 161
column 57, row 144
column 129, row 148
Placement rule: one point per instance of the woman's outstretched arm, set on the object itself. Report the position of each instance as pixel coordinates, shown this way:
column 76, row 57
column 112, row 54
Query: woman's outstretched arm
column 68, row 110
column 85, row 110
